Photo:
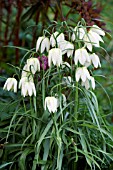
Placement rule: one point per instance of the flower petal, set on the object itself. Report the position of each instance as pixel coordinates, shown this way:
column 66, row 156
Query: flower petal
column 92, row 82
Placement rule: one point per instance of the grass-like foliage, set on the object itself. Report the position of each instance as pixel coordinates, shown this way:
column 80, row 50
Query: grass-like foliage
column 55, row 122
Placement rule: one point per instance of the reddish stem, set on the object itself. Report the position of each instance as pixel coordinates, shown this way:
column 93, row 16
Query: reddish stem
column 16, row 40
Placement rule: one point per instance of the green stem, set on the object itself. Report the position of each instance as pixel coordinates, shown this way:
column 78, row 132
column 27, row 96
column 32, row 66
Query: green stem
column 43, row 89
column 74, row 166
column 54, row 123
column 34, row 104
column 76, row 118
column 60, row 80
column 76, row 102
column 31, row 106
column 24, row 104
column 33, row 121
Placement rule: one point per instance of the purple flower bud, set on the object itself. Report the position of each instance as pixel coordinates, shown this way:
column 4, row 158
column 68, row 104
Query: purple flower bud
column 43, row 62
column 89, row 3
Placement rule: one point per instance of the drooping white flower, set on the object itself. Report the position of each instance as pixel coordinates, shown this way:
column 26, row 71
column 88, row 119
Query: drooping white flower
column 10, row 84
column 82, row 56
column 87, row 83
column 25, row 71
column 33, row 65
column 26, row 75
column 25, row 79
column 67, row 80
column 56, row 38
column 92, row 82
column 42, row 44
column 64, row 99
column 66, row 47
column 82, row 73
column 92, row 39
column 78, row 33
column 55, row 56
column 61, row 99
column 98, row 30
column 51, row 103
column 27, row 87
column 65, row 64
column 95, row 60
column 22, row 81
column 87, row 63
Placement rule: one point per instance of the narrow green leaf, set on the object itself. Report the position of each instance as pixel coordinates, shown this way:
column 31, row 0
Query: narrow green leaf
column 46, row 151
column 22, row 161
column 4, row 165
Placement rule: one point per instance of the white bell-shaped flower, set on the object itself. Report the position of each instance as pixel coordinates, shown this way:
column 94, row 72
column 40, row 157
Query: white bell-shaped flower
column 82, row 73
column 51, row 103
column 92, row 82
column 92, row 39
column 33, row 65
column 25, row 71
column 55, row 56
column 66, row 47
column 67, row 80
column 61, row 99
column 87, row 83
column 56, row 38
column 64, row 99
column 98, row 30
column 42, row 44
column 78, row 33
column 95, row 60
column 10, row 84
column 27, row 87
column 25, row 79
column 87, row 63
column 22, row 81
column 66, row 64
column 82, row 56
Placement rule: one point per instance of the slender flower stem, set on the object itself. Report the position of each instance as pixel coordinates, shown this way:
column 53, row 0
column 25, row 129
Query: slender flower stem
column 31, row 106
column 74, row 164
column 76, row 118
column 76, row 94
column 34, row 104
column 76, row 102
column 43, row 88
column 60, row 79
column 33, row 121
column 24, row 104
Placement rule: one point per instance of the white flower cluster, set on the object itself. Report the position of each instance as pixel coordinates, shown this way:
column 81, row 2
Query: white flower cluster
column 90, row 38
column 56, row 46
column 59, row 47
column 26, row 83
